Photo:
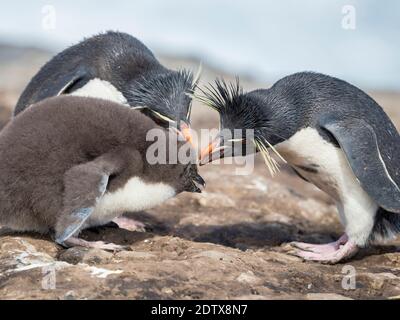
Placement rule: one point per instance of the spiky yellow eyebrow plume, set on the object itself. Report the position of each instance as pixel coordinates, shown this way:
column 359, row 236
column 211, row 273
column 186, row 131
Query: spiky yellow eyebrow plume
column 196, row 78
column 165, row 118
column 272, row 164
column 275, row 151
column 204, row 99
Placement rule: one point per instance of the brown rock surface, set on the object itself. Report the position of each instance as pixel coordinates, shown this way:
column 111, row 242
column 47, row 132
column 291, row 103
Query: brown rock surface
column 227, row 243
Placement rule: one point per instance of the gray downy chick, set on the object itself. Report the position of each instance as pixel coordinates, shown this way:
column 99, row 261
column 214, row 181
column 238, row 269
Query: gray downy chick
column 69, row 163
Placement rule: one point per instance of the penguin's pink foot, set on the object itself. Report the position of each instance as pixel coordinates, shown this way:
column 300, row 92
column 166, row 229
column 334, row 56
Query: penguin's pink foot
column 345, row 251
column 321, row 248
column 129, row 224
column 73, row 242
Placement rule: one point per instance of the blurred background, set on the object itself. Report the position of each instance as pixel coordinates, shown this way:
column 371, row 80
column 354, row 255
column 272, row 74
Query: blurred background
column 259, row 40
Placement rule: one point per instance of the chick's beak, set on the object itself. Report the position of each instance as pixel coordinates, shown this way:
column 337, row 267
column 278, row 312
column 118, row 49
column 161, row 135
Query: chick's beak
column 199, row 184
column 214, row 151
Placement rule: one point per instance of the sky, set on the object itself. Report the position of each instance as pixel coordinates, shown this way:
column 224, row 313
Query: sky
column 356, row 40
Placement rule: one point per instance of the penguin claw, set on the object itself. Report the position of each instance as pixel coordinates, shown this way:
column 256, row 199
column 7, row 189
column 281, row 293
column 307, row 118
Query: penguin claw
column 73, row 242
column 130, row 224
column 294, row 253
column 111, row 246
column 316, row 248
column 327, row 248
column 298, row 245
column 344, row 252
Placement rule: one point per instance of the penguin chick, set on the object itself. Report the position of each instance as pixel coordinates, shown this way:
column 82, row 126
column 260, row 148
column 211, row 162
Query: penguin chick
column 334, row 135
column 69, row 163
column 118, row 67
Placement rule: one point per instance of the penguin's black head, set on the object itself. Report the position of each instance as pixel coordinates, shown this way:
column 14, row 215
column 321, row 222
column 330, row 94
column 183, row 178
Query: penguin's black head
column 166, row 97
column 247, row 121
column 173, row 162
column 190, row 180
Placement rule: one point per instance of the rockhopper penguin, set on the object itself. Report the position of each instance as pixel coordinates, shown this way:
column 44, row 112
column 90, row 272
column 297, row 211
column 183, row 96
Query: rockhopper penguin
column 69, row 163
column 334, row 135
column 118, row 67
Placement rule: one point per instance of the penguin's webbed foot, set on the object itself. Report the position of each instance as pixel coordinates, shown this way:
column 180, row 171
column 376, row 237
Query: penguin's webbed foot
column 321, row 248
column 129, row 224
column 73, row 242
column 330, row 253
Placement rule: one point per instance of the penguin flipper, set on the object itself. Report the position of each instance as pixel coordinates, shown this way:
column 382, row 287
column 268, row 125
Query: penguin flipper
column 359, row 142
column 84, row 185
column 65, row 82
column 39, row 89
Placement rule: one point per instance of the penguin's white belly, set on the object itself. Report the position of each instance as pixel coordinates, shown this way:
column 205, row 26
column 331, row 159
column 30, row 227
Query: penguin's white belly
column 135, row 195
column 331, row 172
column 325, row 166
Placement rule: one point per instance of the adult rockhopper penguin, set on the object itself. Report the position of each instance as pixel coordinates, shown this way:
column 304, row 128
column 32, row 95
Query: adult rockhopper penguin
column 335, row 136
column 69, row 163
column 118, row 67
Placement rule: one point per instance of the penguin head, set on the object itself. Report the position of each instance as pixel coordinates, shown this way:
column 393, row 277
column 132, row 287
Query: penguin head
column 166, row 97
column 181, row 177
column 190, row 180
column 174, row 164
column 247, row 121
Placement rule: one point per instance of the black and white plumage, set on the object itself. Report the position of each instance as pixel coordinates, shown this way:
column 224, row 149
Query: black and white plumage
column 115, row 66
column 335, row 136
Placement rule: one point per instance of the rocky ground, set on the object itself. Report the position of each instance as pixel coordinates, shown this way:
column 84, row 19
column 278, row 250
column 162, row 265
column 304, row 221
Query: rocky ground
column 226, row 243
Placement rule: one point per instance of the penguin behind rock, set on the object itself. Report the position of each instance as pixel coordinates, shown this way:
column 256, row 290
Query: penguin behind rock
column 334, row 135
column 118, row 67
column 69, row 163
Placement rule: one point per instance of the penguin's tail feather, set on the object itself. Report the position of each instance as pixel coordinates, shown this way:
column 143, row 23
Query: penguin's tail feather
column 386, row 227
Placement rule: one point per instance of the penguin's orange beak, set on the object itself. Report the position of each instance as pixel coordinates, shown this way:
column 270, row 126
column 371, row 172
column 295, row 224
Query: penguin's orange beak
column 214, row 151
column 186, row 132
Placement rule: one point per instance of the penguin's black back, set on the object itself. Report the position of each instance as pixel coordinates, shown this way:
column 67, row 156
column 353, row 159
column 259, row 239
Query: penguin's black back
column 113, row 56
column 318, row 99
column 308, row 99
column 310, row 94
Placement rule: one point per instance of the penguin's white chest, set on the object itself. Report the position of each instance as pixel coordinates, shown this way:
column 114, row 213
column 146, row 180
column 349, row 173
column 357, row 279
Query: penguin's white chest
column 327, row 167
column 97, row 88
column 323, row 164
column 135, row 195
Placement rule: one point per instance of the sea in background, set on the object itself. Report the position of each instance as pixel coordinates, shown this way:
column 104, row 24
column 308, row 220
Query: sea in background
column 263, row 40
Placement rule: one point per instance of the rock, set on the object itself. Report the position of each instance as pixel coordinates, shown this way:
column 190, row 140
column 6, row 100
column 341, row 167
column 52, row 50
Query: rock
column 248, row 277
column 134, row 255
column 73, row 255
column 215, row 255
column 214, row 200
column 378, row 280
column 258, row 184
column 326, row 296
column 99, row 272
column 97, row 256
column 76, row 255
